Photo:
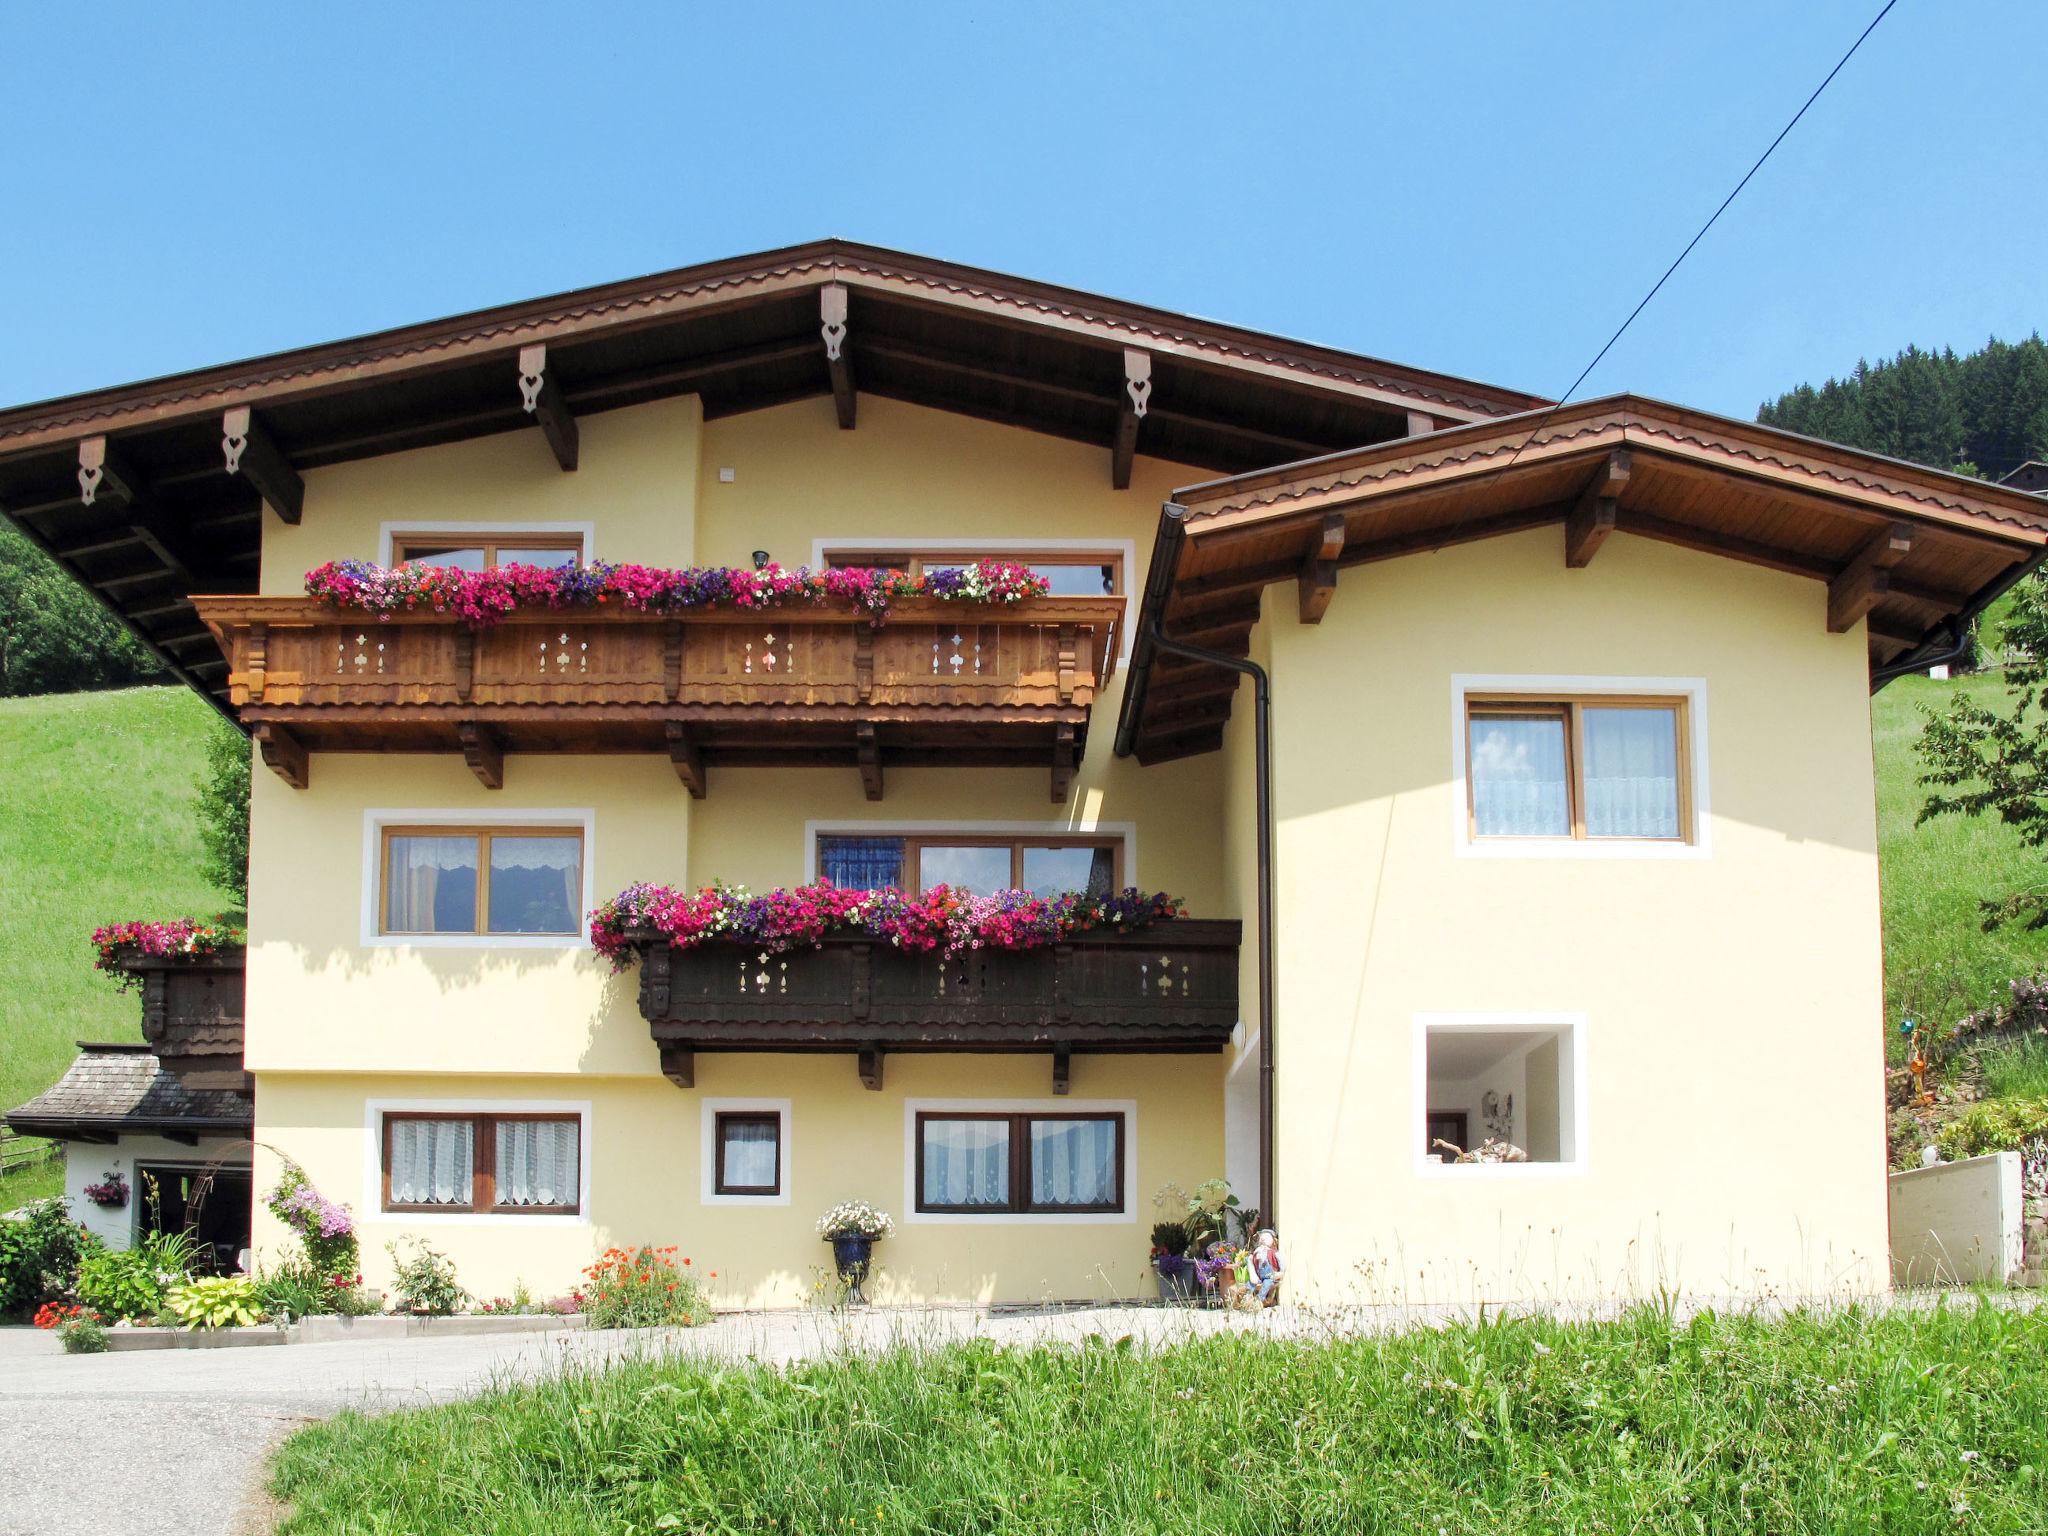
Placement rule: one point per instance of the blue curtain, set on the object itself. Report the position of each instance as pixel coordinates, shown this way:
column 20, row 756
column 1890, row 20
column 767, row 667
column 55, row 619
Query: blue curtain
column 861, row 863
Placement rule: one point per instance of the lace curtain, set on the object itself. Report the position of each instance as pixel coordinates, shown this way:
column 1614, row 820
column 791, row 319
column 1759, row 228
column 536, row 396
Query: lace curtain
column 967, row 1162
column 861, row 863
column 430, row 886
column 750, row 1152
column 432, row 1162
column 536, row 1162
column 536, row 884
column 1519, row 787
column 1073, row 1162
column 1631, row 772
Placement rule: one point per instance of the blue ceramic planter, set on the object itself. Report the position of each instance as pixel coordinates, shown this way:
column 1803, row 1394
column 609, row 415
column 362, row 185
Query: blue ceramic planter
column 853, row 1254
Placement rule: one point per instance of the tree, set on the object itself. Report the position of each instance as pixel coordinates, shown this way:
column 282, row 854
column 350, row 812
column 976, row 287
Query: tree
column 224, row 812
column 1983, row 762
column 54, row 638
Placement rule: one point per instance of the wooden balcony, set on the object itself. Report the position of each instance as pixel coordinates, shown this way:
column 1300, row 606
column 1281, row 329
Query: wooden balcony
column 1170, row 986
column 937, row 683
column 192, row 1011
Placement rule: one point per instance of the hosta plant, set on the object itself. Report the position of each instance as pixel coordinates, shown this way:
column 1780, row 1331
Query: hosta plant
column 215, row 1301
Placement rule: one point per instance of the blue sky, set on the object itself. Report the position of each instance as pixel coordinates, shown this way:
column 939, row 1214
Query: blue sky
column 1484, row 189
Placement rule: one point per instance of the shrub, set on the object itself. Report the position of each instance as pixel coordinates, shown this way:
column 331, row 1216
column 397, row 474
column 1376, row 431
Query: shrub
column 85, row 1334
column 216, row 1301
column 39, row 1253
column 326, row 1229
column 642, row 1287
column 1994, row 1125
column 426, row 1281
column 131, row 1282
column 295, row 1290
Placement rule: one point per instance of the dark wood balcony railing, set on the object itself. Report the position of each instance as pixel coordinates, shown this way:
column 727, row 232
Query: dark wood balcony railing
column 1171, row 986
column 192, row 1012
column 937, row 683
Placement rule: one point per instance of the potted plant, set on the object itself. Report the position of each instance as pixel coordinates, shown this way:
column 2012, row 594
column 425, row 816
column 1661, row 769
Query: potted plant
column 853, row 1227
column 111, row 1192
column 1170, row 1261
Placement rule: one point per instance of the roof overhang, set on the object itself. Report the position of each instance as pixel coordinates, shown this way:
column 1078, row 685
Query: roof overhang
column 181, row 468
column 1912, row 552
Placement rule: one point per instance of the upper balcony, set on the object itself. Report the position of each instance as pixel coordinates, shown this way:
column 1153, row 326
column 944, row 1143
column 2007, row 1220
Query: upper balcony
column 936, row 683
column 192, row 1014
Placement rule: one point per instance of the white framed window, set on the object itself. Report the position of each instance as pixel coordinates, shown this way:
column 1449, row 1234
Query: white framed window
column 980, row 855
column 746, row 1152
column 1573, row 767
column 1514, row 1078
column 431, row 878
column 1075, row 567
column 1031, row 1162
column 471, row 1162
column 472, row 544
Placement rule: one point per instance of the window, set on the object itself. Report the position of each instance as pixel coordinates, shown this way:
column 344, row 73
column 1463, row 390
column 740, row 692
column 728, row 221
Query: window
column 1048, row 865
column 497, row 1164
column 749, row 1152
column 495, row 880
column 973, row 1164
column 1597, row 767
column 1075, row 573
column 479, row 551
column 1504, row 1081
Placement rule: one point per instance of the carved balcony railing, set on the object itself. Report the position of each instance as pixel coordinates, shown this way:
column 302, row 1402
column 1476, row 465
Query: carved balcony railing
column 1170, row 986
column 936, row 683
column 192, row 1010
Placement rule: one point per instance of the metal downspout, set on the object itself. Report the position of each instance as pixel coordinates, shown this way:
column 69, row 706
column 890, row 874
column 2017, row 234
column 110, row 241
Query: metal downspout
column 1151, row 640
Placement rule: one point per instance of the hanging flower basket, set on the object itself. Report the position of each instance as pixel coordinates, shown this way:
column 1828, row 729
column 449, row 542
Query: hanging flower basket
column 111, row 1193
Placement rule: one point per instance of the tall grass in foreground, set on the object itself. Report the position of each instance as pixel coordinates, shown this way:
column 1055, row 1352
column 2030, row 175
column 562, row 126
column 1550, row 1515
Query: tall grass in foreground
column 2016, row 1071
column 1845, row 1422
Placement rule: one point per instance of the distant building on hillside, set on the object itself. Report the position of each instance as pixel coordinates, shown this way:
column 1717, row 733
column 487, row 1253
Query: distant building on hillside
column 2030, row 476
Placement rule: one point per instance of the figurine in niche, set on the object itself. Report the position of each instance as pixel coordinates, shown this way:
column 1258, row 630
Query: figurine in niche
column 1499, row 1113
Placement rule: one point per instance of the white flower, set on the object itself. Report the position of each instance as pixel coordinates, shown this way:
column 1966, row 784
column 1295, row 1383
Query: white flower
column 1542, row 1348
column 1967, row 1456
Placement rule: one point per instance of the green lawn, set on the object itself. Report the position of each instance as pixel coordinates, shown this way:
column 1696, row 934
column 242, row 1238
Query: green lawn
column 1858, row 1422
column 1939, row 964
column 98, row 826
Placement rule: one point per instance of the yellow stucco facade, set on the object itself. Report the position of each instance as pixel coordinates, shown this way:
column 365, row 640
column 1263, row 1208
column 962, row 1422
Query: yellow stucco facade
column 1704, row 989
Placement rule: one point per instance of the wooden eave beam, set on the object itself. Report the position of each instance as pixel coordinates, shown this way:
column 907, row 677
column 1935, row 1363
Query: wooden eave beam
column 679, row 1065
column 1420, row 424
column 541, row 393
column 1318, row 579
column 103, row 471
column 1131, row 407
column 1861, row 584
column 869, row 751
column 871, row 1068
column 1062, row 762
column 283, row 754
column 251, row 453
column 832, row 321
column 484, row 750
column 686, row 757
column 1592, row 518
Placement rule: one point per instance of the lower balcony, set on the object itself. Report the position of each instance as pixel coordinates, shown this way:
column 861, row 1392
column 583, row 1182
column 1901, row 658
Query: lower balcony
column 192, row 1016
column 938, row 683
column 1170, row 987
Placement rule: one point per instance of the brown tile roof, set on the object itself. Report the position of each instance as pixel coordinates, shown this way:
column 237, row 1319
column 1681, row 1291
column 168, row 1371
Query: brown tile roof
column 114, row 1088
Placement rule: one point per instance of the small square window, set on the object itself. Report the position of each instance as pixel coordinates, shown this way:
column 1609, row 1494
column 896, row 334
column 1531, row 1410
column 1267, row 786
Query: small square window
column 1506, row 1094
column 748, row 1147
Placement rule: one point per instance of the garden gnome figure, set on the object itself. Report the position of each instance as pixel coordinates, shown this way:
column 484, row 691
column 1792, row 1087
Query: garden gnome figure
column 1267, row 1266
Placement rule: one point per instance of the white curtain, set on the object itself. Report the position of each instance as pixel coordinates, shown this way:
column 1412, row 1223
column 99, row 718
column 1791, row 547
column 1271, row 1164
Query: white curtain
column 536, row 884
column 967, row 1162
column 431, row 1161
column 750, row 1152
column 536, row 1162
column 1631, row 772
column 1073, row 1162
column 1518, row 777
column 420, row 866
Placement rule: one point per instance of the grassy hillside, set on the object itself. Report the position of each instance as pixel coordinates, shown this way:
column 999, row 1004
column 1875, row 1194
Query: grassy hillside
column 1939, row 964
column 97, row 825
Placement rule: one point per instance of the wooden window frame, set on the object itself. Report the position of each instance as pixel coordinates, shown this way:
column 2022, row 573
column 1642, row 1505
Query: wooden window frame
column 914, row 562
column 483, row 1176
column 1570, row 708
column 489, row 542
column 914, row 843
column 483, row 835
column 719, row 1120
column 1019, row 1203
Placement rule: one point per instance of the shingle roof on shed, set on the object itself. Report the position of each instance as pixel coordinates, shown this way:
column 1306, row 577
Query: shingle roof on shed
column 111, row 1089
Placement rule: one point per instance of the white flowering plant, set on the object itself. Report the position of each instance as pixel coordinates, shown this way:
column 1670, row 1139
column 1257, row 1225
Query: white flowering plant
column 855, row 1218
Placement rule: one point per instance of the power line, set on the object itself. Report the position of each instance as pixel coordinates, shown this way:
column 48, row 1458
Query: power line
column 1695, row 240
